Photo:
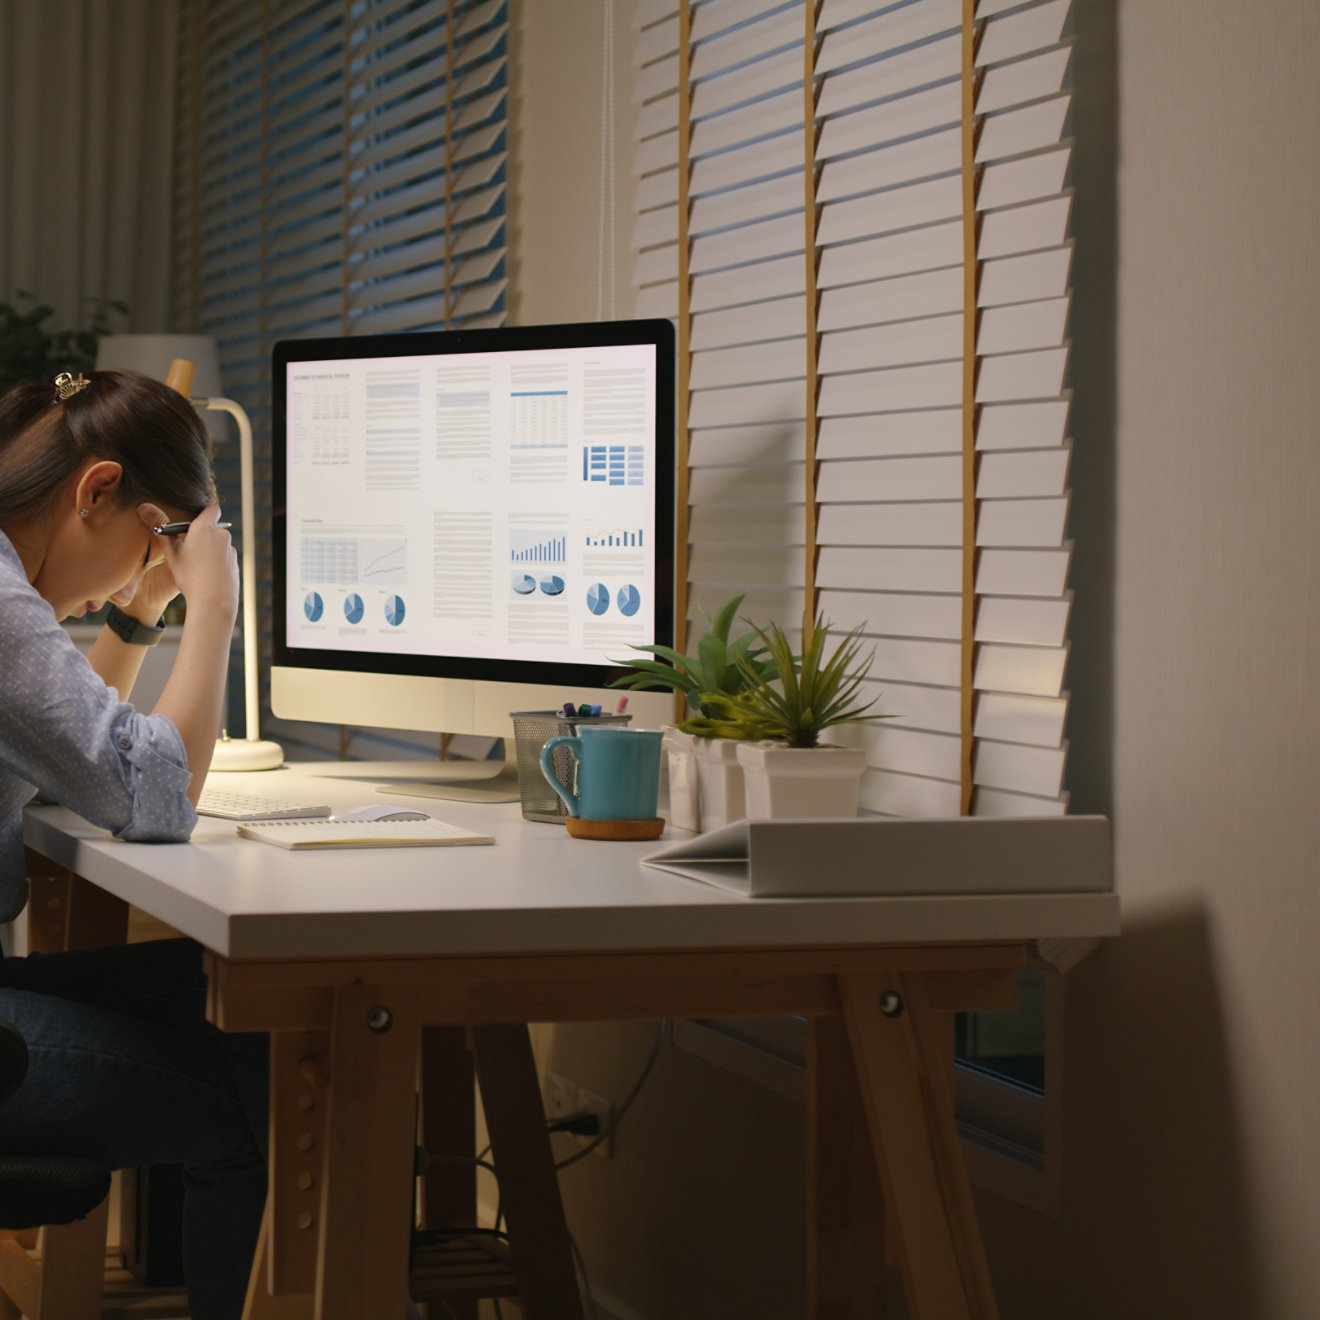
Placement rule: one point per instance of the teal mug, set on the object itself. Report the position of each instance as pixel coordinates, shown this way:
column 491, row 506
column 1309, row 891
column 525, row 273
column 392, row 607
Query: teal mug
column 618, row 772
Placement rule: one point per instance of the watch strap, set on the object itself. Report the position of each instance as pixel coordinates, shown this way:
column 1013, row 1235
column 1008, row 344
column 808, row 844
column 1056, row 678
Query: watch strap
column 131, row 630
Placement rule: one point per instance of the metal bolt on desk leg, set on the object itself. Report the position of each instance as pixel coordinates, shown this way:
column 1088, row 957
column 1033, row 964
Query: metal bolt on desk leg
column 379, row 1019
column 891, row 1003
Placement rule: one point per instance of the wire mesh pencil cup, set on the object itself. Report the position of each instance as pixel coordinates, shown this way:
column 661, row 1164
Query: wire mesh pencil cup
column 532, row 729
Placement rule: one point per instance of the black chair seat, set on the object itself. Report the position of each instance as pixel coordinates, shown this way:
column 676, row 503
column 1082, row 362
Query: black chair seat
column 49, row 1189
column 42, row 1189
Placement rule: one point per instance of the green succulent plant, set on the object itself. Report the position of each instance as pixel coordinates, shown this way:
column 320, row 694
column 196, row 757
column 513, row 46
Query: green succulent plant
column 799, row 698
column 721, row 665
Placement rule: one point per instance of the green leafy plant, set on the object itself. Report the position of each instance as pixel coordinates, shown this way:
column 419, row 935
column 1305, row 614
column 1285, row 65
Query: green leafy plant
column 720, row 666
column 31, row 351
column 802, row 696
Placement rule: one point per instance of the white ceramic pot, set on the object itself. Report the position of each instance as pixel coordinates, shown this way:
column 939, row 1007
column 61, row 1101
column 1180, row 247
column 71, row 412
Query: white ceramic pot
column 705, row 781
column 785, row 782
column 681, row 762
column 719, row 782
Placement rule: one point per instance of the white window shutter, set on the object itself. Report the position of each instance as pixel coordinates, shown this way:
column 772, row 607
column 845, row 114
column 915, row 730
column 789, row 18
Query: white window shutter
column 841, row 452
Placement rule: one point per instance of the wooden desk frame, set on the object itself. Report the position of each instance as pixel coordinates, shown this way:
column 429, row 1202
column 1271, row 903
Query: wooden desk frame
column 880, row 1063
column 446, row 984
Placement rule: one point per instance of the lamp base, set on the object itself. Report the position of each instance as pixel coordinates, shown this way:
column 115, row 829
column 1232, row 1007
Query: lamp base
column 239, row 754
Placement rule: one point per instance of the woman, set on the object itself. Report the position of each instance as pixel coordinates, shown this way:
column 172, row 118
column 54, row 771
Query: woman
column 123, row 1066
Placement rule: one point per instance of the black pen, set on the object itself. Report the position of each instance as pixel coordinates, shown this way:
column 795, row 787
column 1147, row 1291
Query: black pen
column 178, row 529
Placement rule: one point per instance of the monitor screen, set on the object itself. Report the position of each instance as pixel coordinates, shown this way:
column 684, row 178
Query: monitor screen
column 488, row 505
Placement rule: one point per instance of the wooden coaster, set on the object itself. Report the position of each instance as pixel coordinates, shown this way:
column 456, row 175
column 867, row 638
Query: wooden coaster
column 614, row 829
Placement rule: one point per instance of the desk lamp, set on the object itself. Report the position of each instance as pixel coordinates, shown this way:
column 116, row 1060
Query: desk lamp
column 190, row 364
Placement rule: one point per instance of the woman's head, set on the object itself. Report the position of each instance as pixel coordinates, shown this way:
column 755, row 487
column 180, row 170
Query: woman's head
column 149, row 429
column 80, row 475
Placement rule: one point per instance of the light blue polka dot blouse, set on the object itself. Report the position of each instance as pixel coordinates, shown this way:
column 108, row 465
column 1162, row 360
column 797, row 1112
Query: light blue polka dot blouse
column 63, row 733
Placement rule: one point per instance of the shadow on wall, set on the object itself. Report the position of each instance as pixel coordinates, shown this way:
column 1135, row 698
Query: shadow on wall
column 1154, row 1175
column 1093, row 516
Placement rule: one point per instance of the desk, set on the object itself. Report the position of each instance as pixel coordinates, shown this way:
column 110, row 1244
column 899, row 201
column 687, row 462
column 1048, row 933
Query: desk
column 364, row 949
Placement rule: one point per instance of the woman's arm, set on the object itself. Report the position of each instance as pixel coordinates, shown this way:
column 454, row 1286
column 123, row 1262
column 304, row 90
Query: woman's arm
column 205, row 567
column 65, row 733
column 116, row 661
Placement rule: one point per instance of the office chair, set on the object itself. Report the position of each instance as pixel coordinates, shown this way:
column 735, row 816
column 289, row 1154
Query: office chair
column 64, row 1196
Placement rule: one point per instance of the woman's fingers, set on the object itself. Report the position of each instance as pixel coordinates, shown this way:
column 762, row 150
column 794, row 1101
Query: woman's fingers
column 151, row 514
column 204, row 562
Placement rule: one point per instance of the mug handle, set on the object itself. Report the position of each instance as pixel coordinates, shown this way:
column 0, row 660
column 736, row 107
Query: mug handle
column 574, row 745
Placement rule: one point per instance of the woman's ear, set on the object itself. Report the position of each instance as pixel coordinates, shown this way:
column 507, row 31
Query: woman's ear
column 96, row 482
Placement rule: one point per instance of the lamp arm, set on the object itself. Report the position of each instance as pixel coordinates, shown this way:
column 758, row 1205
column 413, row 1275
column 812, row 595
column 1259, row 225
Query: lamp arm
column 249, row 556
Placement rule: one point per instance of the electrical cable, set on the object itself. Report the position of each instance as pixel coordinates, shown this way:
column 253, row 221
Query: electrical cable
column 480, row 1161
column 483, row 1239
column 608, row 1129
column 473, row 1235
column 581, row 1124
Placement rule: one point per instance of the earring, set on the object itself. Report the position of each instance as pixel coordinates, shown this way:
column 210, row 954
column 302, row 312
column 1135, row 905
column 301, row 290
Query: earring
column 82, row 513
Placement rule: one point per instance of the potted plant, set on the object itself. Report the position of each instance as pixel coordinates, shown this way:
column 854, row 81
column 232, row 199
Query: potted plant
column 31, row 351
column 779, row 717
column 705, row 778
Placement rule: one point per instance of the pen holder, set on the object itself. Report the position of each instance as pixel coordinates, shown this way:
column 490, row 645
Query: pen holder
column 532, row 729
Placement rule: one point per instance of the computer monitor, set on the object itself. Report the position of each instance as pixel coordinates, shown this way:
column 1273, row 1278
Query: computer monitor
column 469, row 523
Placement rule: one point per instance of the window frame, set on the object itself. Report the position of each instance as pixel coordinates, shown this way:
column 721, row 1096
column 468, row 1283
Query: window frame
column 1012, row 1137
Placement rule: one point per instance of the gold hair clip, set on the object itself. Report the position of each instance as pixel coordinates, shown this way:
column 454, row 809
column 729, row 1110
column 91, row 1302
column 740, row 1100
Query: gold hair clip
column 67, row 386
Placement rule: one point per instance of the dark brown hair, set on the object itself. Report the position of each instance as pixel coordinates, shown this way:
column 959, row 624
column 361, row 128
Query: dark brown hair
column 149, row 429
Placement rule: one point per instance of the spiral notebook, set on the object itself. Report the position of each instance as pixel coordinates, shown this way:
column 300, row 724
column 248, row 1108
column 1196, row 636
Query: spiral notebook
column 295, row 834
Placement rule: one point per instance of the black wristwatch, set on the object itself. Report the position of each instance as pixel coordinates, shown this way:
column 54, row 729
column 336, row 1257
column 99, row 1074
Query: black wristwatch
column 132, row 630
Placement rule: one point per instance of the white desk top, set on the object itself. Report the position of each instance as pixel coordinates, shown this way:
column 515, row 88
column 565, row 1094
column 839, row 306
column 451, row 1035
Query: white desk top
column 536, row 890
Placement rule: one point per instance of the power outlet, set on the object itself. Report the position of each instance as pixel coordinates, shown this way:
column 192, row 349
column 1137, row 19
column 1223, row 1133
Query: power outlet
column 604, row 1111
column 560, row 1096
column 564, row 1097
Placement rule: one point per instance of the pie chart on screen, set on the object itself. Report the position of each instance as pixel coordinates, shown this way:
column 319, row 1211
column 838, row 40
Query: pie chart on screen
column 598, row 598
column 630, row 600
column 552, row 584
column 353, row 608
column 524, row 584
column 394, row 611
column 313, row 606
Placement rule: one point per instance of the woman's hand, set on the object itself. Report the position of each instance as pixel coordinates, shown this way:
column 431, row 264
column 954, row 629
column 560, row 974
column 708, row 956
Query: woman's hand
column 202, row 564
column 156, row 588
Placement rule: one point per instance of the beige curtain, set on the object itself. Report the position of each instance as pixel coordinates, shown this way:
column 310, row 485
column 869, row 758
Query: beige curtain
column 86, row 121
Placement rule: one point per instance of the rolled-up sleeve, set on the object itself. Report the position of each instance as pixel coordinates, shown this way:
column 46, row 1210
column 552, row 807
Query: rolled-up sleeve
column 65, row 733
column 156, row 777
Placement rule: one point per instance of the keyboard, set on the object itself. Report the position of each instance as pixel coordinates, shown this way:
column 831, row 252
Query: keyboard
column 251, row 806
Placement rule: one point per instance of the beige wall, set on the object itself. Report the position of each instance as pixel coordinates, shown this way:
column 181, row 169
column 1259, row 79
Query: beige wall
column 557, row 80
column 1193, row 1173
column 1192, row 1152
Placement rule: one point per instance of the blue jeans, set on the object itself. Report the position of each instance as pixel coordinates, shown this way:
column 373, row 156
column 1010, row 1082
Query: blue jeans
column 123, row 1067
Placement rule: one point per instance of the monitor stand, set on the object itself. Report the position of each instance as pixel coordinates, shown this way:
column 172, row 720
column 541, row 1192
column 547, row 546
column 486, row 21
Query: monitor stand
column 455, row 781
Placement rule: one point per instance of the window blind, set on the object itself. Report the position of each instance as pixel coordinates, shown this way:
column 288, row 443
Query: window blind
column 340, row 169
column 858, row 213
column 745, row 358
